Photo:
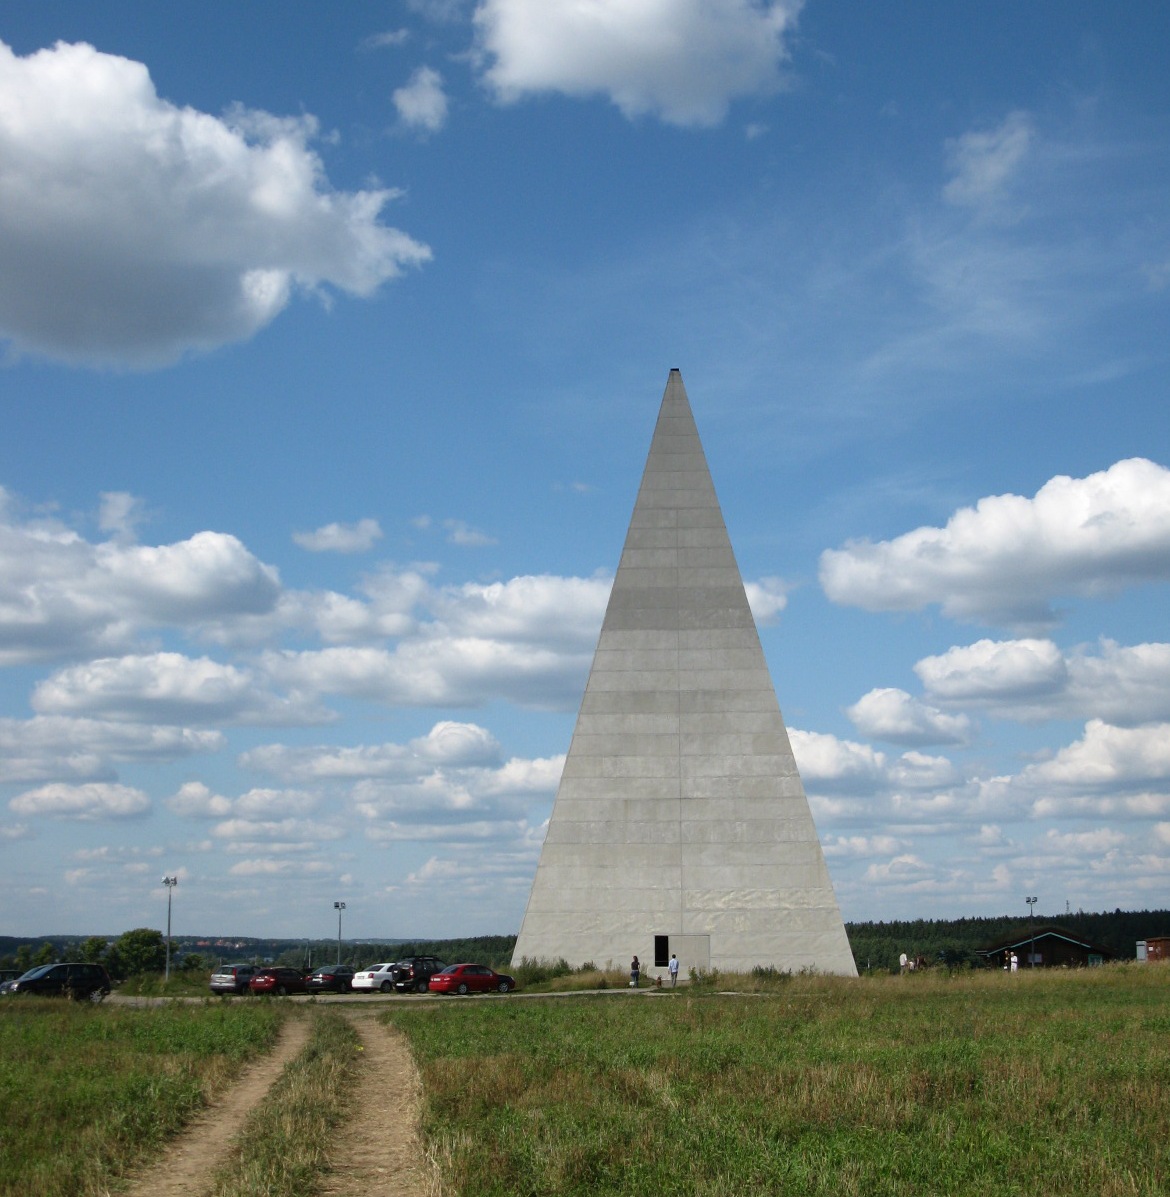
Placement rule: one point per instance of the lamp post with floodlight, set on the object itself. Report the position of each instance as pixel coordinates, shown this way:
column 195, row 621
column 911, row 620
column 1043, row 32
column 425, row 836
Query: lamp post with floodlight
column 339, row 907
column 1031, row 927
column 170, row 883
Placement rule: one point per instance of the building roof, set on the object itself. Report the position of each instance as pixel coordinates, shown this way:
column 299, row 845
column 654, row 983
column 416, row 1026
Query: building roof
column 1020, row 939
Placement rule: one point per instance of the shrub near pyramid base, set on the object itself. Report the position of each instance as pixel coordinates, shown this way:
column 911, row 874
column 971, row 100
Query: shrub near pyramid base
column 680, row 825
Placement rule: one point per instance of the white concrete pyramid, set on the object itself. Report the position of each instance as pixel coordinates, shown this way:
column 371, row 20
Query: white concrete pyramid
column 680, row 824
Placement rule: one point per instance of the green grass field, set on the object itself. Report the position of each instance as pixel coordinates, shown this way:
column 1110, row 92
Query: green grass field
column 1053, row 1083
column 88, row 1091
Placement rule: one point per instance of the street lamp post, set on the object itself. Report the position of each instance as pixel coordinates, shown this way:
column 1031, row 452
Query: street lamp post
column 170, row 883
column 339, row 907
column 1031, row 927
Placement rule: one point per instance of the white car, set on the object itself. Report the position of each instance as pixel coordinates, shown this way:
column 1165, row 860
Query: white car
column 378, row 978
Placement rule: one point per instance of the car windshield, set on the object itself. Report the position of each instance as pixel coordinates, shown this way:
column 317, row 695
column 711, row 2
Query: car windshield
column 33, row 973
column 451, row 968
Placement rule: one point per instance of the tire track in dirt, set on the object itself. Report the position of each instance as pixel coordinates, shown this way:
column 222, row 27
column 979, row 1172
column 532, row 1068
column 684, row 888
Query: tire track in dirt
column 379, row 1149
column 185, row 1169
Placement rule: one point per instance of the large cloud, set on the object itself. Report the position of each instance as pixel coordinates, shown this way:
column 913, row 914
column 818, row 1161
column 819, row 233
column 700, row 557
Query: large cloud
column 168, row 687
column 95, row 800
column 50, row 747
column 1033, row 680
column 62, row 596
column 681, row 60
column 448, row 744
column 132, row 230
column 1008, row 558
column 452, row 778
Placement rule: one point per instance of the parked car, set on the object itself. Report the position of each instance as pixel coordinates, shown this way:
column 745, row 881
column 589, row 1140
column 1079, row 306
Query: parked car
column 333, row 978
column 470, row 978
column 278, row 981
column 412, row 974
column 378, row 978
column 232, row 978
column 83, row 982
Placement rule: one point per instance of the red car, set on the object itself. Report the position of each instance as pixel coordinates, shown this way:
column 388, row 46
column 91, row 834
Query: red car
column 280, row 981
column 470, row 978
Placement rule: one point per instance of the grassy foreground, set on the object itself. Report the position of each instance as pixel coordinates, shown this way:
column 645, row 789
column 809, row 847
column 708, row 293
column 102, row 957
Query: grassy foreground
column 88, row 1091
column 1054, row 1083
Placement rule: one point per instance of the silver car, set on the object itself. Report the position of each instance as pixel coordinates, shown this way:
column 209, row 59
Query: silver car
column 232, row 978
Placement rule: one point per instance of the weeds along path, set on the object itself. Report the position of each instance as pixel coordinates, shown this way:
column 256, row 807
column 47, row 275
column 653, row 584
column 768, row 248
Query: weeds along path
column 186, row 1167
column 379, row 1149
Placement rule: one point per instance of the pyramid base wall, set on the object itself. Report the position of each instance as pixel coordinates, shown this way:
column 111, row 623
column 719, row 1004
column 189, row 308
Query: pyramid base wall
column 734, row 941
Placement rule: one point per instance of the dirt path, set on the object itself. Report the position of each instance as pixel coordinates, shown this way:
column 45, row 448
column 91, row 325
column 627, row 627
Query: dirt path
column 379, row 1149
column 186, row 1167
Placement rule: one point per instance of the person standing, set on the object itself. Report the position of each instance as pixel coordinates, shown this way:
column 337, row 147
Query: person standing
column 673, row 970
column 635, row 969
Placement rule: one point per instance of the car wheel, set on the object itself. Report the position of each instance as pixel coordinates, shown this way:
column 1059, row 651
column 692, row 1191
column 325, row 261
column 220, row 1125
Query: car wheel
column 387, row 986
column 281, row 991
column 462, row 987
column 503, row 986
column 96, row 995
column 421, row 987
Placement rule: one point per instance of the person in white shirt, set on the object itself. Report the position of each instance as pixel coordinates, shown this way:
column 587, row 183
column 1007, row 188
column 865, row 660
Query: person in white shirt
column 673, row 970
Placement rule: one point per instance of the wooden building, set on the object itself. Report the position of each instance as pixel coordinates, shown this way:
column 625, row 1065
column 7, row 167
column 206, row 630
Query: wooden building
column 1157, row 948
column 1045, row 947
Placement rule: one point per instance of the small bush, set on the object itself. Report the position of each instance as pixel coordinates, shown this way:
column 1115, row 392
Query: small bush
column 704, row 978
column 535, row 972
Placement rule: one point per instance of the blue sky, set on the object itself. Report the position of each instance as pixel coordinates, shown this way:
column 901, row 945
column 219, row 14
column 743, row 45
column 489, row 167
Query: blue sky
column 332, row 341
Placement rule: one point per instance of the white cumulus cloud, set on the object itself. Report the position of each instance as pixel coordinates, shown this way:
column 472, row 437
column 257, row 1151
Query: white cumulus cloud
column 1007, row 559
column 683, row 61
column 341, row 538
column 133, row 230
column 61, row 748
column 892, row 714
column 92, row 801
column 159, row 686
column 1033, row 680
column 421, row 103
column 61, row 595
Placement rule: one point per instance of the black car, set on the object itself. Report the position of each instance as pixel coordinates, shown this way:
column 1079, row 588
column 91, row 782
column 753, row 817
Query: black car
column 413, row 974
column 232, row 978
column 82, row 982
column 333, row 978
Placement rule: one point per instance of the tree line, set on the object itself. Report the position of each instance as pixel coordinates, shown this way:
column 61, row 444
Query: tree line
column 876, row 945
column 142, row 950
column 955, row 942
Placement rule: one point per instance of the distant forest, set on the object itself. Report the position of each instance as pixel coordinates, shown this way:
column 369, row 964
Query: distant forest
column 876, row 946
column 954, row 941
